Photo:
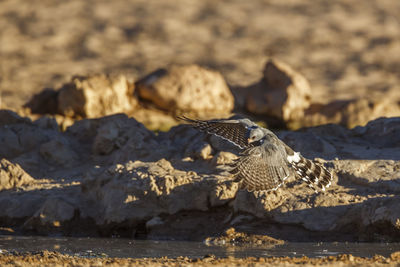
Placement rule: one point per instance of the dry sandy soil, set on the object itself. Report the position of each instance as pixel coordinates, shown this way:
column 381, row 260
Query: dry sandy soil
column 55, row 259
column 347, row 49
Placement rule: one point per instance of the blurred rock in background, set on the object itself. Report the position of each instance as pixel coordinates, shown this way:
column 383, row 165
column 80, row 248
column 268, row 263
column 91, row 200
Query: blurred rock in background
column 190, row 90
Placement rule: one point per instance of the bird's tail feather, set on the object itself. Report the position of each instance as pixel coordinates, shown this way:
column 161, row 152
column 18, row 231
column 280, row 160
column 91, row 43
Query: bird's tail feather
column 314, row 174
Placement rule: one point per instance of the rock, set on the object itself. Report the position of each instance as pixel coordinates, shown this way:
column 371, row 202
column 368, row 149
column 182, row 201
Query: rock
column 231, row 237
column 200, row 150
column 383, row 132
column 223, row 193
column 95, row 96
column 107, row 140
column 13, row 209
column 47, row 123
column 53, row 213
column 312, row 144
column 59, row 152
column 21, row 136
column 13, row 176
column 45, row 102
column 155, row 119
column 112, row 176
column 377, row 140
column 112, row 133
column 283, row 93
column 8, row 117
column 128, row 138
column 350, row 113
column 139, row 191
column 187, row 89
column 9, row 143
column 28, row 143
column 55, row 210
column 154, row 222
column 224, row 158
column 181, row 139
column 259, row 204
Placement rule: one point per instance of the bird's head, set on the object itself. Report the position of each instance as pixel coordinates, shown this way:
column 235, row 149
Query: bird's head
column 255, row 134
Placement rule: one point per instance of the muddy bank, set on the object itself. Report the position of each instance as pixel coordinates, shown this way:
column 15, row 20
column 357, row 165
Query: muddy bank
column 113, row 177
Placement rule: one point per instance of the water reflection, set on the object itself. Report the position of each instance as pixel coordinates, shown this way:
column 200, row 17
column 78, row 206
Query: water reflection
column 113, row 247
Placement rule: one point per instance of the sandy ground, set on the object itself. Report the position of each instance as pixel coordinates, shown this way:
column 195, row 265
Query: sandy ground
column 346, row 48
column 56, row 259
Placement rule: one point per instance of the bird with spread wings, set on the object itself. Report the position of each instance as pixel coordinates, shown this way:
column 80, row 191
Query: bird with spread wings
column 265, row 161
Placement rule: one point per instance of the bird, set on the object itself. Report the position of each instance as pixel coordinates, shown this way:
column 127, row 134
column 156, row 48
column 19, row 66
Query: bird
column 265, row 161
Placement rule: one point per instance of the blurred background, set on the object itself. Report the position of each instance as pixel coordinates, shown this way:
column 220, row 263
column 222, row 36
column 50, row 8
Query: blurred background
column 346, row 49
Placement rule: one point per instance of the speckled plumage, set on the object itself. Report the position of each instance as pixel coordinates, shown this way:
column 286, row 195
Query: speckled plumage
column 265, row 162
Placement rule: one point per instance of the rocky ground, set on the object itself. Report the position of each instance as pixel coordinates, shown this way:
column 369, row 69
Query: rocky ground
column 103, row 154
column 112, row 176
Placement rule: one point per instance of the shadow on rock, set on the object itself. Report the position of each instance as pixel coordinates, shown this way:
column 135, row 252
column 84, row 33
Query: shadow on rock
column 112, row 176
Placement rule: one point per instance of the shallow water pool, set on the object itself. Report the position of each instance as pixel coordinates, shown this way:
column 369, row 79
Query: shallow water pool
column 128, row 248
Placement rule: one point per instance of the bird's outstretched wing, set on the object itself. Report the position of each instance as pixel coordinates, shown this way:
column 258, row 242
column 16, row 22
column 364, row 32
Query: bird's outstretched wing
column 261, row 168
column 234, row 131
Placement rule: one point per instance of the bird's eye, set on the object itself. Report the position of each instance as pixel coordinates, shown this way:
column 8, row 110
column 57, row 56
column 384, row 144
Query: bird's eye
column 253, row 137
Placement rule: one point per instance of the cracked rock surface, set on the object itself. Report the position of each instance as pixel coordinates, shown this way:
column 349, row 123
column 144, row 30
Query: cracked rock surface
column 112, row 176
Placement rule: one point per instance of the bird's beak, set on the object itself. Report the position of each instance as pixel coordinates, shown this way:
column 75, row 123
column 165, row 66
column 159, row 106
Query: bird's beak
column 249, row 140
